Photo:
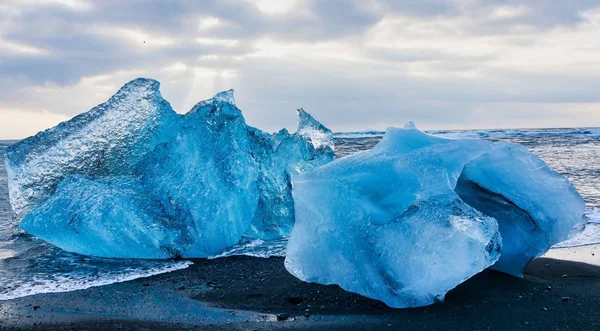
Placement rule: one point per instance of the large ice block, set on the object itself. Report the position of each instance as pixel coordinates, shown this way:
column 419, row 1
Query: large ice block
column 535, row 207
column 204, row 178
column 397, row 223
column 108, row 217
column 108, row 139
column 131, row 178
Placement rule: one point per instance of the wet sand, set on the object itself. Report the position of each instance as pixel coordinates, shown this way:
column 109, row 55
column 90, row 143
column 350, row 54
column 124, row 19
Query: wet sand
column 245, row 293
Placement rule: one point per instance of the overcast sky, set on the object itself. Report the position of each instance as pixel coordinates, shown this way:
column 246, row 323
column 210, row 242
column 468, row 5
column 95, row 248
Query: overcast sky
column 355, row 65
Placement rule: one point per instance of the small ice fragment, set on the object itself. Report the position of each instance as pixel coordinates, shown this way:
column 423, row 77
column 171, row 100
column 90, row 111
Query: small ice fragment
column 317, row 133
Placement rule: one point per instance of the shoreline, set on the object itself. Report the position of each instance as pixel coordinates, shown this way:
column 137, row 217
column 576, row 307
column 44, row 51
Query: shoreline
column 589, row 254
column 247, row 293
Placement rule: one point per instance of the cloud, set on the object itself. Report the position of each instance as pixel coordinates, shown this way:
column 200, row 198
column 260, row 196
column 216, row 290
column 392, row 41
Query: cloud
column 376, row 62
column 20, row 123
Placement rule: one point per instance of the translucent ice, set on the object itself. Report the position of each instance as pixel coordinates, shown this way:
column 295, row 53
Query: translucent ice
column 131, row 178
column 536, row 208
column 312, row 129
column 397, row 223
column 204, row 179
column 101, row 217
column 279, row 157
column 109, row 139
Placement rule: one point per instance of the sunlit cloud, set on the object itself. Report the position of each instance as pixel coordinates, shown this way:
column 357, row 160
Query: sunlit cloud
column 208, row 23
column 137, row 36
column 209, row 57
column 13, row 47
column 324, row 51
column 354, row 64
column 71, row 4
column 508, row 12
column 275, row 7
column 217, row 42
column 211, row 73
column 176, row 67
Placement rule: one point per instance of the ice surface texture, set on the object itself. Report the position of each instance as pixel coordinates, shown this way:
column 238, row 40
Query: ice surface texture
column 109, row 139
column 417, row 215
column 133, row 179
column 310, row 128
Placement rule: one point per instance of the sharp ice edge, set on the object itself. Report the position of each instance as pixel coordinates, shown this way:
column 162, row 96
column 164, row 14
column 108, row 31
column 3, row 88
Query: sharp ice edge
column 317, row 133
column 110, row 137
column 225, row 96
column 74, row 282
column 442, row 204
column 187, row 185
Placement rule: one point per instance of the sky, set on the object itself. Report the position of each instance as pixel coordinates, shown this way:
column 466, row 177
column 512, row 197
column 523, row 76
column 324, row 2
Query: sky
column 355, row 65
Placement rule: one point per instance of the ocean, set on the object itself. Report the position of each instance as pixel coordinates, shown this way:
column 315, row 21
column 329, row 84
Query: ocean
column 29, row 266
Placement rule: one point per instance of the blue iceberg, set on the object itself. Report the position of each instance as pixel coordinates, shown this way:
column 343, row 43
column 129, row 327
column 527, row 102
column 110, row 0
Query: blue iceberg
column 105, row 217
column 417, row 215
column 109, row 139
column 133, row 179
column 281, row 156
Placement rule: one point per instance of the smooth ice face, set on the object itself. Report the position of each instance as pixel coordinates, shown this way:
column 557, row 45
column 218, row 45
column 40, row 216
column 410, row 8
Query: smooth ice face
column 109, row 139
column 391, row 223
column 102, row 217
column 536, row 208
column 133, row 179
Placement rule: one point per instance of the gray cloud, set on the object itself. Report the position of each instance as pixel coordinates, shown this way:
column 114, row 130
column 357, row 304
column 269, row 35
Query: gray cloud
column 378, row 63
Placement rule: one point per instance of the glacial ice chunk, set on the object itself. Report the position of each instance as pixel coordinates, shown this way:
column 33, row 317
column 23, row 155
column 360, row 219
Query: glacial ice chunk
column 397, row 223
column 108, row 139
column 204, row 178
column 279, row 157
column 102, row 217
column 317, row 133
column 133, row 179
column 535, row 207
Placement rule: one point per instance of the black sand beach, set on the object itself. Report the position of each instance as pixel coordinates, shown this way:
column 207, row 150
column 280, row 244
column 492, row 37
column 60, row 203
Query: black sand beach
column 245, row 293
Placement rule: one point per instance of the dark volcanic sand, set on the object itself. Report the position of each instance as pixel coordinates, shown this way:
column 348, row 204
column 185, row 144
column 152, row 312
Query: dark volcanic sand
column 554, row 294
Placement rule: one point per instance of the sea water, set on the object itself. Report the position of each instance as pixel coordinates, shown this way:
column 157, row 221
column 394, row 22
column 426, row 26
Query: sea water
column 29, row 266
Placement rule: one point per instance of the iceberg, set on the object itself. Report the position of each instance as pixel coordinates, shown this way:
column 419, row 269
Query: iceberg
column 133, row 179
column 535, row 207
column 280, row 156
column 102, row 217
column 108, row 139
column 417, row 215
column 204, row 178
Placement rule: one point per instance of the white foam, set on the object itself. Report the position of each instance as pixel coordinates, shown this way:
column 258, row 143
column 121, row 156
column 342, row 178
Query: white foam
column 256, row 248
column 356, row 135
column 73, row 282
column 589, row 236
column 507, row 133
column 593, row 215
